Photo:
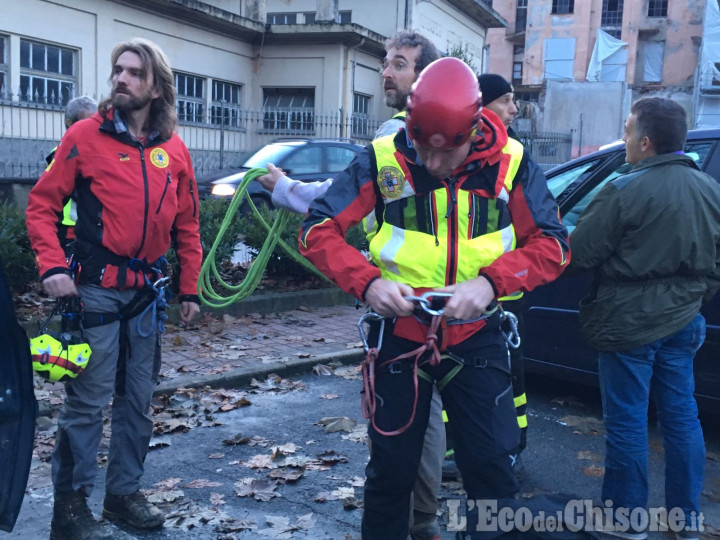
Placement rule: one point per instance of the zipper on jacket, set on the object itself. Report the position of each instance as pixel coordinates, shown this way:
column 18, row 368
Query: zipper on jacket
column 451, row 216
column 453, row 200
column 192, row 196
column 432, row 210
column 141, row 148
column 168, row 181
column 471, row 216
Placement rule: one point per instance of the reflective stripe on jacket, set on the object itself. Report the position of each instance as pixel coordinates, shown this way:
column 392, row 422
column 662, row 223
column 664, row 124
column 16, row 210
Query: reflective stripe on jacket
column 444, row 236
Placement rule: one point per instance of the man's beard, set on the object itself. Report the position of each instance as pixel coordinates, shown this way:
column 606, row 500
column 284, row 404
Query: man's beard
column 127, row 103
column 398, row 100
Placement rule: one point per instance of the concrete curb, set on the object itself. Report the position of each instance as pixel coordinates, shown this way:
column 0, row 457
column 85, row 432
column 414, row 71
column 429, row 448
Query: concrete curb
column 285, row 301
column 257, row 303
column 243, row 376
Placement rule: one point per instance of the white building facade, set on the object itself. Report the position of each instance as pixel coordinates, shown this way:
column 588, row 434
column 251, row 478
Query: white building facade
column 246, row 71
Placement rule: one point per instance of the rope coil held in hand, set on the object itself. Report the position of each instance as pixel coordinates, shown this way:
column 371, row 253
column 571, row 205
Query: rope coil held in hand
column 206, row 291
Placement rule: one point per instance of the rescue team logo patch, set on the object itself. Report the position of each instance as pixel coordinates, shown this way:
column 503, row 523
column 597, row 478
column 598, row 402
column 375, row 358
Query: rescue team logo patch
column 159, row 158
column 391, row 181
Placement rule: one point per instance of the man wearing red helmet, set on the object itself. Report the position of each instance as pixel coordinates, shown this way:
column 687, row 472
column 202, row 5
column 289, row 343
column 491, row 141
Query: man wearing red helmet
column 461, row 209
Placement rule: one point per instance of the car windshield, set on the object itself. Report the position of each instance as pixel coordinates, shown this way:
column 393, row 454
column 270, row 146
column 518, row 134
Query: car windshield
column 272, row 153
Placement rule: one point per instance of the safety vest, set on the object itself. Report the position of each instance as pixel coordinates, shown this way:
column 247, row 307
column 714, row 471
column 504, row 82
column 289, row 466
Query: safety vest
column 416, row 244
column 369, row 223
column 69, row 216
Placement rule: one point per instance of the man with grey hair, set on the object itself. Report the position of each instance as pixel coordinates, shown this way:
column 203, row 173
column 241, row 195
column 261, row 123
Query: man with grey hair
column 77, row 109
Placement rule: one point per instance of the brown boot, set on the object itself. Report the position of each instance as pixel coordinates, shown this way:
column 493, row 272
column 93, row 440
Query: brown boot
column 73, row 520
column 133, row 510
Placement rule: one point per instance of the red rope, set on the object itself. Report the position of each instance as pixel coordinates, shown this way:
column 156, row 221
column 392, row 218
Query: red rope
column 368, row 401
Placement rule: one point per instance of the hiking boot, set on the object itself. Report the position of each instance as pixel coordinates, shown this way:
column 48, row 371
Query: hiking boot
column 73, row 520
column 425, row 527
column 133, row 510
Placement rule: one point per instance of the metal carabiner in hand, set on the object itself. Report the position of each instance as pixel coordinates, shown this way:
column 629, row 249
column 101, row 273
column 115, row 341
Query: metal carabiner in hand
column 426, row 303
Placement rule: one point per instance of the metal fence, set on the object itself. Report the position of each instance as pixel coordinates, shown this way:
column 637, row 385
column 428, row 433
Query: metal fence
column 547, row 148
column 28, row 131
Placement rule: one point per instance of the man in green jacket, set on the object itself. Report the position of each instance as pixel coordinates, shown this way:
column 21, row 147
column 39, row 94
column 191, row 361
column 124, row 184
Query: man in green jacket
column 652, row 239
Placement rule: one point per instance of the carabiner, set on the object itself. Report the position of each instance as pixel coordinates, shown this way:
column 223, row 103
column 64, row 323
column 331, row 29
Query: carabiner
column 426, row 303
column 370, row 315
column 161, row 283
column 512, row 336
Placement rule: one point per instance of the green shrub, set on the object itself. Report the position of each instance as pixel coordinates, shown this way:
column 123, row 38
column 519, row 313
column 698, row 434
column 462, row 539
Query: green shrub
column 281, row 264
column 212, row 214
column 15, row 251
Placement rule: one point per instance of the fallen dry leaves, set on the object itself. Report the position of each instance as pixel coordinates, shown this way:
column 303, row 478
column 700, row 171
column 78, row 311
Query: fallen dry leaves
column 280, row 526
column 584, row 424
column 262, row 489
column 337, row 423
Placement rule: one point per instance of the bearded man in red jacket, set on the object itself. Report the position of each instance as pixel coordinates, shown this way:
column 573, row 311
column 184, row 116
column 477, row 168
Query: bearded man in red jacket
column 135, row 188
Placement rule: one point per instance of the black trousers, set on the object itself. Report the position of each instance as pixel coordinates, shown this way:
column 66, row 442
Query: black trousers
column 478, row 400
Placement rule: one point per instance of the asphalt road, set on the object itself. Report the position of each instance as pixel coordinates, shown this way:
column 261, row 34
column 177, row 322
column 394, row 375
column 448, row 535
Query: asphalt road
column 199, row 476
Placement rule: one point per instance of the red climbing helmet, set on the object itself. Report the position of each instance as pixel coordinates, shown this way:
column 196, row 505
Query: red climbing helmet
column 443, row 108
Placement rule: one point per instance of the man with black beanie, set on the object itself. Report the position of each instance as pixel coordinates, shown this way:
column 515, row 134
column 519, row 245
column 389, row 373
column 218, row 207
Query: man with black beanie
column 498, row 96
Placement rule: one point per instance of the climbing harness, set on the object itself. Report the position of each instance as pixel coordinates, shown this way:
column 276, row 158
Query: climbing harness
column 151, row 299
column 432, row 304
column 428, row 349
column 206, row 291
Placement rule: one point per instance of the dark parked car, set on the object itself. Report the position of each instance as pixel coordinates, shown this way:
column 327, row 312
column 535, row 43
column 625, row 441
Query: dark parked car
column 307, row 160
column 553, row 344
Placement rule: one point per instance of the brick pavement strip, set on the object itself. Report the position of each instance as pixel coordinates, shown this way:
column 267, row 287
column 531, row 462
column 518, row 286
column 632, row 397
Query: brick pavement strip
column 230, row 351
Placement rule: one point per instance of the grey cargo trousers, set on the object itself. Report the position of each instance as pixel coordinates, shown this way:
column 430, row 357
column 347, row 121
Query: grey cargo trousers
column 74, row 459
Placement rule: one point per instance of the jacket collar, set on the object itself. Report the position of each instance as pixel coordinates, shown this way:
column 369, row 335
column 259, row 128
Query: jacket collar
column 663, row 159
column 114, row 124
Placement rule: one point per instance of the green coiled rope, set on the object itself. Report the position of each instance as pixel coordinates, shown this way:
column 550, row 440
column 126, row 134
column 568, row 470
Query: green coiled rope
column 208, row 295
